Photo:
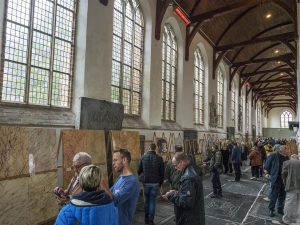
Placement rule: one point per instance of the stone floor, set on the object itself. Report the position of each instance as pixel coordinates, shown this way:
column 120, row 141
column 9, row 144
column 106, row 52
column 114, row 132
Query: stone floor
column 242, row 204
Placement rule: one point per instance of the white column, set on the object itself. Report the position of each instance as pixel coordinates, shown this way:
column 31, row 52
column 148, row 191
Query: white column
column 93, row 59
column 298, row 73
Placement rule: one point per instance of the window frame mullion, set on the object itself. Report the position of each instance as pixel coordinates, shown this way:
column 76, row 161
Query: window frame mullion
column 52, row 53
column 29, row 52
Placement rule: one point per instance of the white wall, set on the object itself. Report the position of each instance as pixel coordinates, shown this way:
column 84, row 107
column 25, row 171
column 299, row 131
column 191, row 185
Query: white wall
column 274, row 117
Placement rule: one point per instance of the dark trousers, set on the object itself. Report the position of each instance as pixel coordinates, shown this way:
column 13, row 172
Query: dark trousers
column 215, row 179
column 230, row 167
column 277, row 194
column 237, row 170
column 255, row 171
column 225, row 156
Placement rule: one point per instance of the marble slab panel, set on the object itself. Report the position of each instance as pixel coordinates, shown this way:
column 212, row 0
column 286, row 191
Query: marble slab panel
column 13, row 148
column 74, row 141
column 43, row 146
column 129, row 140
column 14, row 201
column 42, row 204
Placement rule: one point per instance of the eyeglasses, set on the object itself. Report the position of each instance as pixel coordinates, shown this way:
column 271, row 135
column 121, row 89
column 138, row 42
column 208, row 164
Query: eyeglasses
column 76, row 167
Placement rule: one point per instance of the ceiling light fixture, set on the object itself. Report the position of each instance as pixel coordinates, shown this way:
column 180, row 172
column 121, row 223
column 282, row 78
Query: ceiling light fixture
column 278, row 62
column 276, row 51
column 268, row 16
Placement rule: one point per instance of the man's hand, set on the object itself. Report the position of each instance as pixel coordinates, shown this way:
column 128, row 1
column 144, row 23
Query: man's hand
column 165, row 196
column 104, row 186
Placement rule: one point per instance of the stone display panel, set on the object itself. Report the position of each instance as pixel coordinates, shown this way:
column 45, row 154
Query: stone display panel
column 100, row 115
column 14, row 145
column 41, row 202
column 43, row 146
column 28, row 200
column 14, row 201
column 18, row 144
column 129, row 140
column 92, row 142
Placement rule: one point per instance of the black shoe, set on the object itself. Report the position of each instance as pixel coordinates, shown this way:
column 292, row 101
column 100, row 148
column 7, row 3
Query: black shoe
column 220, row 195
column 215, row 196
column 280, row 211
column 271, row 213
column 146, row 220
column 151, row 222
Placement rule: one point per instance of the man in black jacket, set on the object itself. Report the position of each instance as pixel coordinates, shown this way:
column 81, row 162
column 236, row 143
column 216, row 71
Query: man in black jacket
column 151, row 173
column 189, row 199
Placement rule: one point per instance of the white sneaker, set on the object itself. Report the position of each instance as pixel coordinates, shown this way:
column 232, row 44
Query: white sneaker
column 267, row 199
column 252, row 178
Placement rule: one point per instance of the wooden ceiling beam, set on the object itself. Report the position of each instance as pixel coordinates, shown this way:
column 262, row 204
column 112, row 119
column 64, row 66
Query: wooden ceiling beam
column 261, row 33
column 225, row 10
column 251, row 74
column 278, row 37
column 270, row 81
column 253, row 61
column 161, row 7
column 195, row 7
column 233, row 22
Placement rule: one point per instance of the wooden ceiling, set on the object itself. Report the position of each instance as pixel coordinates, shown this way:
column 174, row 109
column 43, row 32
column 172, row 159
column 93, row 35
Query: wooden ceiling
column 261, row 50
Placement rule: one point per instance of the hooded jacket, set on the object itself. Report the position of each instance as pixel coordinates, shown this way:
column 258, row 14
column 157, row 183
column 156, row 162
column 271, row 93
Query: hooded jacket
column 88, row 208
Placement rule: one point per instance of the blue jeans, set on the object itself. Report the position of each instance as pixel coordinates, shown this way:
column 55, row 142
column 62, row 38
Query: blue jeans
column 150, row 193
column 277, row 194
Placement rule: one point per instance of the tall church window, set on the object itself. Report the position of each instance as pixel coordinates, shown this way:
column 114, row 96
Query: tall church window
column 198, row 88
column 220, row 97
column 127, row 55
column 247, row 117
column 169, row 73
column 38, row 52
column 258, row 119
column 233, row 103
column 285, row 117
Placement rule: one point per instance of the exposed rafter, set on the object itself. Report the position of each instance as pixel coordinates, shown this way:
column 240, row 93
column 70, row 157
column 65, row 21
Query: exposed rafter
column 161, row 7
column 278, row 37
column 284, row 80
column 270, row 59
column 279, row 70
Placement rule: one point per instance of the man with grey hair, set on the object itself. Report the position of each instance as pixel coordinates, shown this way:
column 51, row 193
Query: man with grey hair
column 80, row 160
column 189, row 199
column 291, row 180
column 273, row 167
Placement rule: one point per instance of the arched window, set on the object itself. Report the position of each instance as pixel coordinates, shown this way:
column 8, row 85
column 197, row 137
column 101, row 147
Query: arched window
column 258, row 119
column 38, row 52
column 241, row 111
column 198, row 88
column 233, row 102
column 220, row 96
column 247, row 117
column 285, row 117
column 169, row 73
column 127, row 55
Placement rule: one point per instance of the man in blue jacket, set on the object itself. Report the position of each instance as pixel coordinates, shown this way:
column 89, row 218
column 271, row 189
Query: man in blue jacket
column 273, row 166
